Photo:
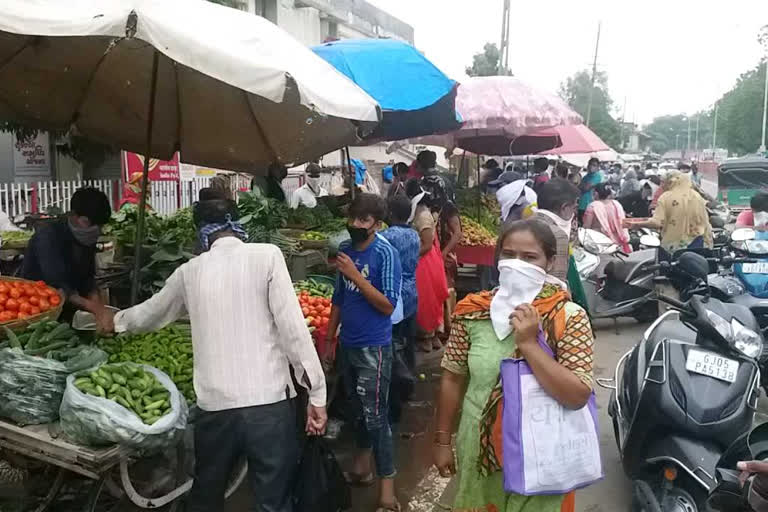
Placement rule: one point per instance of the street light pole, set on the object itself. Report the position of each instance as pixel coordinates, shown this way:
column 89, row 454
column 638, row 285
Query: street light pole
column 696, row 147
column 594, row 76
column 765, row 106
column 714, row 132
column 763, row 40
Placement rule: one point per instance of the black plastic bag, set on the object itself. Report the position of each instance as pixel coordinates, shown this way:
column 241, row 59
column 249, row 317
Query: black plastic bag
column 320, row 485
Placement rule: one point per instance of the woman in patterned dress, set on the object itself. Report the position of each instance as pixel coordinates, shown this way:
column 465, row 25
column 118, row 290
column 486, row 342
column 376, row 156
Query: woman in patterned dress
column 470, row 381
column 681, row 215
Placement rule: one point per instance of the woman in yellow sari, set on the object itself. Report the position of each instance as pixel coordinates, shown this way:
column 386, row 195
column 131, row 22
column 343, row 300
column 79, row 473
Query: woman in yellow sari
column 470, row 381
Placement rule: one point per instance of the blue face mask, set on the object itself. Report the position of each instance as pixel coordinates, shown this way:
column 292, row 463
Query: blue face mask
column 86, row 236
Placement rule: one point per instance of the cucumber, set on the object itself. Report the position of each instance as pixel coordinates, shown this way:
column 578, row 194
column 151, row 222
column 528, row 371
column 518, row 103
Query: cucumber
column 13, row 340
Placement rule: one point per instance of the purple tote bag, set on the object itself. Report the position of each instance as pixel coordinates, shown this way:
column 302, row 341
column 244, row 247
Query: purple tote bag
column 547, row 448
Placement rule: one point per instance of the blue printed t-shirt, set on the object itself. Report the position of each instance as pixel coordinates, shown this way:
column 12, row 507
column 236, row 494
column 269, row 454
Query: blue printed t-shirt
column 406, row 241
column 362, row 325
column 587, row 197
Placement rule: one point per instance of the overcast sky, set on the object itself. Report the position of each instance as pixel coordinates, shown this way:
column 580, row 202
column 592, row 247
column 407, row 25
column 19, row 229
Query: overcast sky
column 664, row 56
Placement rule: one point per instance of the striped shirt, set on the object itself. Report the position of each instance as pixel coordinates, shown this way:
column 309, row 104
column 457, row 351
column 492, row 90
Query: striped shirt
column 362, row 325
column 247, row 326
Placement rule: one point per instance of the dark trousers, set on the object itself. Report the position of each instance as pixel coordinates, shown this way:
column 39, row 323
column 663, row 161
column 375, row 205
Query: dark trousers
column 267, row 436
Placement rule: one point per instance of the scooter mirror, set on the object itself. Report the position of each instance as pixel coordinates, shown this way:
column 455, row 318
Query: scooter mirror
column 650, row 241
column 743, row 234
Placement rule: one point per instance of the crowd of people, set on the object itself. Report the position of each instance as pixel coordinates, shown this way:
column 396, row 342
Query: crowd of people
column 395, row 294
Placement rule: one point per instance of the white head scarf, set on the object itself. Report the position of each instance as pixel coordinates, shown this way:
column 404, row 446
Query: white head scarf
column 516, row 193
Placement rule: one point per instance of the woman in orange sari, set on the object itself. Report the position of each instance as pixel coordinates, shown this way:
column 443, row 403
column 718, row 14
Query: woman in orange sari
column 471, row 368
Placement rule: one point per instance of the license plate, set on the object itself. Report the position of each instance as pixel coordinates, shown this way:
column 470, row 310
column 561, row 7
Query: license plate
column 755, row 268
column 712, row 365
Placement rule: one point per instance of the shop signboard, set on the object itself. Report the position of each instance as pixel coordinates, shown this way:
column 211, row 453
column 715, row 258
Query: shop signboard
column 32, row 155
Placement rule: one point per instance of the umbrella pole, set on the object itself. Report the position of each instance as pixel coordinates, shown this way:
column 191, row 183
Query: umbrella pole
column 352, row 175
column 140, row 224
column 479, row 191
column 462, row 172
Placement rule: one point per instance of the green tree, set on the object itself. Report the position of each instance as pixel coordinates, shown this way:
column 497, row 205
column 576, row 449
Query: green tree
column 741, row 113
column 575, row 91
column 485, row 63
column 670, row 132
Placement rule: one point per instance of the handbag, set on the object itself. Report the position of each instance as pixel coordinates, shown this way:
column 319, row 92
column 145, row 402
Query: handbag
column 320, row 484
column 547, row 448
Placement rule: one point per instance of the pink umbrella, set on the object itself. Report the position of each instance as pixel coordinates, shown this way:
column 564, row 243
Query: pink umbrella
column 498, row 110
column 576, row 139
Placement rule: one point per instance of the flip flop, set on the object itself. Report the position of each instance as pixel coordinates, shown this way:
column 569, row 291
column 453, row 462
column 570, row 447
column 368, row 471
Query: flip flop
column 356, row 480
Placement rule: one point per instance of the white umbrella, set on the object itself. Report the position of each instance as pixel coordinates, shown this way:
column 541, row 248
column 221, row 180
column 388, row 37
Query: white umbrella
column 226, row 88
column 233, row 90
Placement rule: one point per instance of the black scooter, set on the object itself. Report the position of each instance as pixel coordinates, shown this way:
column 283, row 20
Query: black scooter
column 684, row 393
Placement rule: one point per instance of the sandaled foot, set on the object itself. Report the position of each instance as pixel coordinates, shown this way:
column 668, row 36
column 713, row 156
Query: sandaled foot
column 425, row 346
column 393, row 507
column 357, row 480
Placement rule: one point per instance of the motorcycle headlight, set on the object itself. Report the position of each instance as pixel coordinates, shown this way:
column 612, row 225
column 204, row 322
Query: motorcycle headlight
column 743, row 339
column 756, row 246
column 746, row 341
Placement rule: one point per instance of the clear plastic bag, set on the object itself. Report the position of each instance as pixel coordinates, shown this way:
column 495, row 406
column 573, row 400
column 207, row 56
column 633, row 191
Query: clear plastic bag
column 95, row 421
column 32, row 387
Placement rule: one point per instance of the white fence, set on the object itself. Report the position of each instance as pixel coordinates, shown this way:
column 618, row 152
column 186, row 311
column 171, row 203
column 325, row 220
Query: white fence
column 166, row 197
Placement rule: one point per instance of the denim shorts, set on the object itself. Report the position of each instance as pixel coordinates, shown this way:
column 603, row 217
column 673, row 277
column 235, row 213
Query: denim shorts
column 367, row 376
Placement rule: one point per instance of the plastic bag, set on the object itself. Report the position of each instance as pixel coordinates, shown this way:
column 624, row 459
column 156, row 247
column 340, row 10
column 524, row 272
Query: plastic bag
column 96, row 421
column 320, row 486
column 32, row 387
column 335, row 240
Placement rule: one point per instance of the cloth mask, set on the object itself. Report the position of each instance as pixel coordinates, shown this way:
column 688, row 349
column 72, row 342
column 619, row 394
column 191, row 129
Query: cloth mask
column 314, row 184
column 415, row 204
column 357, row 235
column 519, row 283
column 207, row 230
column 563, row 224
column 85, row 236
column 761, row 219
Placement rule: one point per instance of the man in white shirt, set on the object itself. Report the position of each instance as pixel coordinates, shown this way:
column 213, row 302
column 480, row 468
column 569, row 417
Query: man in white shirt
column 307, row 194
column 247, row 330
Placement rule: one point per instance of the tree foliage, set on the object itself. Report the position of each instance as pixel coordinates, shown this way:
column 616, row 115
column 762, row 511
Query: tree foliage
column 670, row 132
column 486, row 63
column 740, row 118
column 575, row 91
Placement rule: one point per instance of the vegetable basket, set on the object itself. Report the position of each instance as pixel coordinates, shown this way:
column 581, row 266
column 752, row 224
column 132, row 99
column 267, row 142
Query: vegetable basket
column 20, row 325
column 295, row 234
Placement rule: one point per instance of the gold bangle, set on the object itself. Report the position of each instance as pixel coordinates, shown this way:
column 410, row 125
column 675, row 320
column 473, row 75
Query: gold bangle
column 444, row 445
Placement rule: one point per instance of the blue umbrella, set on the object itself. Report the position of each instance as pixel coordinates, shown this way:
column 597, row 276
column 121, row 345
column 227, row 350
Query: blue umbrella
column 416, row 98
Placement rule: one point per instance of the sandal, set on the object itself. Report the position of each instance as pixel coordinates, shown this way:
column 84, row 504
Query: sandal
column 357, row 480
column 395, row 507
column 425, row 345
column 436, row 343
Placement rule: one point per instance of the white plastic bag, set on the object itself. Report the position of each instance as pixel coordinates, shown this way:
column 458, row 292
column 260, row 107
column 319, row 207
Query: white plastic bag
column 91, row 420
column 31, row 387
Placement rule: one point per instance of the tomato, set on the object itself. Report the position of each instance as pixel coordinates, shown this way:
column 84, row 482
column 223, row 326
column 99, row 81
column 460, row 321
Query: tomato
column 325, row 321
column 55, row 300
column 44, row 305
column 51, row 292
column 29, row 290
column 12, row 315
column 327, row 311
column 40, row 284
column 14, row 293
column 305, row 312
column 3, row 288
column 24, row 307
column 22, row 316
column 34, row 310
column 12, row 305
column 3, row 298
column 34, row 300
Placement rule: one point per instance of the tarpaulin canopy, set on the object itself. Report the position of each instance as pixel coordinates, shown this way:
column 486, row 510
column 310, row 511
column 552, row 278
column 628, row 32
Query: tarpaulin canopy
column 415, row 96
column 233, row 90
column 577, row 138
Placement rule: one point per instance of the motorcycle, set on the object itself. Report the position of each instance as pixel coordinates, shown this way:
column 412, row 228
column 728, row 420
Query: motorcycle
column 616, row 284
column 685, row 392
column 746, row 283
